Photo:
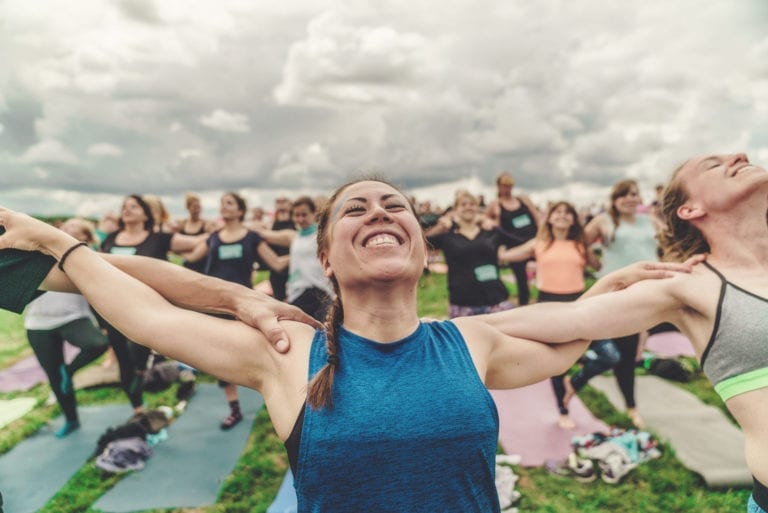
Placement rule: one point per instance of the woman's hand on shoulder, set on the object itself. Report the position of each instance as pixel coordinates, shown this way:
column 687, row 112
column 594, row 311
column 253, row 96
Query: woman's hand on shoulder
column 647, row 270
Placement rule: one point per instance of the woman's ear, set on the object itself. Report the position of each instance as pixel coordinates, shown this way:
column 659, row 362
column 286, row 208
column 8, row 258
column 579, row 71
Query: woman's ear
column 327, row 271
column 688, row 212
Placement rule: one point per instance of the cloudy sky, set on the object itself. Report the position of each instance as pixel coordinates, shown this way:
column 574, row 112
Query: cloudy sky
column 102, row 98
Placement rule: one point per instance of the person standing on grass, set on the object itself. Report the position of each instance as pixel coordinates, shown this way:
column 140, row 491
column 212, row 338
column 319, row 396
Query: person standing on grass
column 137, row 235
column 518, row 220
column 471, row 254
column 626, row 237
column 56, row 317
column 376, row 385
column 229, row 254
column 307, row 288
column 561, row 256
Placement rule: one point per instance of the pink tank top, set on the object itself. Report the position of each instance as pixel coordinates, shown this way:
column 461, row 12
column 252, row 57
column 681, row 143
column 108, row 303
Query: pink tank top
column 559, row 267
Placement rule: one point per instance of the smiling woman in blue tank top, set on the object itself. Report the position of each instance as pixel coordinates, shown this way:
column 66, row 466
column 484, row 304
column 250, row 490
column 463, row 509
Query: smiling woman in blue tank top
column 383, row 412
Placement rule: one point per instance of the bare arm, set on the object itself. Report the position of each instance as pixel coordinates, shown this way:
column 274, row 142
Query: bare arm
column 519, row 253
column 650, row 300
column 510, row 362
column 181, row 243
column 196, row 291
column 594, row 229
column 278, row 237
column 276, row 263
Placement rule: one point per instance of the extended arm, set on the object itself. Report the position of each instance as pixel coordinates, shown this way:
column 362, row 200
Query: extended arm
column 278, row 237
column 651, row 299
column 519, row 253
column 196, row 291
column 276, row 263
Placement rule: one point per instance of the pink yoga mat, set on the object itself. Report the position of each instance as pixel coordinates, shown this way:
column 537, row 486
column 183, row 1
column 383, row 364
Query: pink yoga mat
column 528, row 423
column 670, row 343
column 27, row 373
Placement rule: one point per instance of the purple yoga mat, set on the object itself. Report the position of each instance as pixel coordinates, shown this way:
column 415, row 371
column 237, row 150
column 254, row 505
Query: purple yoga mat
column 27, row 373
column 528, row 423
column 670, row 343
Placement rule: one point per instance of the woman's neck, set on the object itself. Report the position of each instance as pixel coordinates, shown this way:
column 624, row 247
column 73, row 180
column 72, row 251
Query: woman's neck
column 384, row 315
column 133, row 228
column 559, row 233
column 628, row 217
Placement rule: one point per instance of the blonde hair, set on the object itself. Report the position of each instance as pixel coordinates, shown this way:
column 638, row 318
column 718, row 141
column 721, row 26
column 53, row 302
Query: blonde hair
column 679, row 239
column 464, row 194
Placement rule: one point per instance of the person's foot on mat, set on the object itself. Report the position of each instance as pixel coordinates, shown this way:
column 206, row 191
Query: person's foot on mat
column 635, row 417
column 67, row 428
column 565, row 421
column 234, row 418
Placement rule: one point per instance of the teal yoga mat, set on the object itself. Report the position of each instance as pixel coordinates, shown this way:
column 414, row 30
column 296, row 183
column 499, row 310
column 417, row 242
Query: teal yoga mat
column 188, row 469
column 33, row 471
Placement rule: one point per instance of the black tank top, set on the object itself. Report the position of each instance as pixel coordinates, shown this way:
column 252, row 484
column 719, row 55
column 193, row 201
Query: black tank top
column 518, row 225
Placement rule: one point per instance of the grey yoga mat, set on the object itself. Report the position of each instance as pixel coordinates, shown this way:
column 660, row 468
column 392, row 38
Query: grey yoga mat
column 188, row 469
column 703, row 438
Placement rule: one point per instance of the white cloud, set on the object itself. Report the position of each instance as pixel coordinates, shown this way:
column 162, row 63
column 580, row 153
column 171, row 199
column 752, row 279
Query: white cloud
column 424, row 91
column 105, row 150
column 49, row 151
column 225, row 121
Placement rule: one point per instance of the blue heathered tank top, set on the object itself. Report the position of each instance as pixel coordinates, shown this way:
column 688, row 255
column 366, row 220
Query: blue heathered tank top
column 413, row 429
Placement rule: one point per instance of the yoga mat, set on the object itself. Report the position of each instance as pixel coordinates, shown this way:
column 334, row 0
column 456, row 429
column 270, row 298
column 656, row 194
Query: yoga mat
column 27, row 373
column 669, row 344
column 286, row 501
column 703, row 438
column 188, row 469
column 13, row 409
column 528, row 423
column 33, row 471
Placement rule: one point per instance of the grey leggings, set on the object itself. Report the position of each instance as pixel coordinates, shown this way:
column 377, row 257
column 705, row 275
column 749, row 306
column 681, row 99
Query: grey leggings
column 48, row 346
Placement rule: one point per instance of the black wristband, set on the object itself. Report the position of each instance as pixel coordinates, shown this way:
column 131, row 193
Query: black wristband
column 67, row 252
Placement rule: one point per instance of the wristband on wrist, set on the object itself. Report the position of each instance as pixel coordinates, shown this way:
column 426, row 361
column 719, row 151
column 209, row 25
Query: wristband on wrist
column 67, row 253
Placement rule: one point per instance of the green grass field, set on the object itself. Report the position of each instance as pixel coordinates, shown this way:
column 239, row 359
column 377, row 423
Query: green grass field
column 659, row 486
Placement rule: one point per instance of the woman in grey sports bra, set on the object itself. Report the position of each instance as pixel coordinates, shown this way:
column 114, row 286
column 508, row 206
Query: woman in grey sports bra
column 714, row 204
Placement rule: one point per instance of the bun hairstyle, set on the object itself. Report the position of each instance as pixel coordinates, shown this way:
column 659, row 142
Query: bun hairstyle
column 679, row 239
column 320, row 389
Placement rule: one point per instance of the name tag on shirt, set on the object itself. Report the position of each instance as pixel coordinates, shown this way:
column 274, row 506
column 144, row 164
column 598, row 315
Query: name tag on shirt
column 123, row 250
column 521, row 221
column 230, row 251
column 486, row 272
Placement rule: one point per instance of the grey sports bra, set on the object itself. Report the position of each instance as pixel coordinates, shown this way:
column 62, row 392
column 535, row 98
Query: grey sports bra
column 736, row 358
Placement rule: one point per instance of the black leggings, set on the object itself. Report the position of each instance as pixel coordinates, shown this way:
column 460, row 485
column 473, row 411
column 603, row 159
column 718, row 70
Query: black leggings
column 48, row 346
column 557, row 381
column 521, row 278
column 132, row 359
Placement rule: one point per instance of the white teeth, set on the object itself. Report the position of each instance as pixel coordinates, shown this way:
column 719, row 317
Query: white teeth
column 382, row 240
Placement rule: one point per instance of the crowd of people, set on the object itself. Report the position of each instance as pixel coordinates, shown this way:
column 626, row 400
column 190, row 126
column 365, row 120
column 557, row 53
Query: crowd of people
column 376, row 382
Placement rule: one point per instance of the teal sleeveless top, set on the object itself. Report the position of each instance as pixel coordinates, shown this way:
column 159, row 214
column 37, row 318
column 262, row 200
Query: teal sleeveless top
column 413, row 428
column 630, row 243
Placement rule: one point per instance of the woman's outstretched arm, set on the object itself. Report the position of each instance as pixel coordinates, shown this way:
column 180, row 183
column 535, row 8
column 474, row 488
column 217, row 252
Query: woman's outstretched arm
column 227, row 349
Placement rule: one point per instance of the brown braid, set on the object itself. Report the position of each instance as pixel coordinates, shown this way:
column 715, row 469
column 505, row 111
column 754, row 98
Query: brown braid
column 320, row 392
column 679, row 239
